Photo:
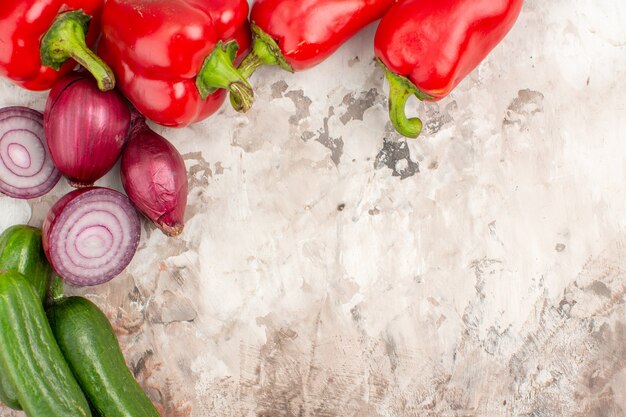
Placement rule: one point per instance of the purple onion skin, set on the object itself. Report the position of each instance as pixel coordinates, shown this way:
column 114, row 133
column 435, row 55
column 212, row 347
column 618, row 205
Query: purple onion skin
column 55, row 215
column 86, row 128
column 154, row 177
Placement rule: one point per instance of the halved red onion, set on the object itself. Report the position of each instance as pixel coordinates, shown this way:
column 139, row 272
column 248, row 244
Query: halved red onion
column 90, row 235
column 20, row 111
column 26, row 169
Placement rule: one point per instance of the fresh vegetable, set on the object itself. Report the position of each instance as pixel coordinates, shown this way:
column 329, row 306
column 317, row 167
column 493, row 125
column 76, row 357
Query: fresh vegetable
column 39, row 37
column 90, row 235
column 30, row 359
column 174, row 58
column 26, row 169
column 21, row 251
column 299, row 34
column 427, row 48
column 85, row 128
column 155, row 178
column 91, row 348
column 8, row 396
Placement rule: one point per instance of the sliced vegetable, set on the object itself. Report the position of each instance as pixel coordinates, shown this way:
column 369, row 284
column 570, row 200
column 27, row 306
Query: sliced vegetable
column 90, row 235
column 20, row 111
column 85, row 128
column 91, row 348
column 30, row 358
column 155, row 178
column 26, row 169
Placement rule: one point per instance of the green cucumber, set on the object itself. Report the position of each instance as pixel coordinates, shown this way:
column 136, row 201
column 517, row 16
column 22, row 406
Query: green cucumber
column 30, row 358
column 21, row 251
column 90, row 346
column 8, row 396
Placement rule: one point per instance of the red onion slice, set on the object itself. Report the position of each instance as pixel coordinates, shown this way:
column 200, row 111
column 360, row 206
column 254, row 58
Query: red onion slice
column 20, row 111
column 90, row 235
column 26, row 169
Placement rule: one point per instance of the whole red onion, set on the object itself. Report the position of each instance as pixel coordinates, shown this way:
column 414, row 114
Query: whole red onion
column 155, row 178
column 85, row 128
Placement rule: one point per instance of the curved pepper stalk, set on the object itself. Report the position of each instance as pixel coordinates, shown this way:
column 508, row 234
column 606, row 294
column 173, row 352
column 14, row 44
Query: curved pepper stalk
column 66, row 39
column 400, row 89
column 218, row 71
column 265, row 51
column 436, row 61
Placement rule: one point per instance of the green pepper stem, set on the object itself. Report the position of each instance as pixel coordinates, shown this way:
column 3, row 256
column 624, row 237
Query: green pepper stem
column 400, row 89
column 218, row 71
column 66, row 39
column 265, row 51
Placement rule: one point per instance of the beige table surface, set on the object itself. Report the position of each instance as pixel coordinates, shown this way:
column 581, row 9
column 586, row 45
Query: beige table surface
column 330, row 267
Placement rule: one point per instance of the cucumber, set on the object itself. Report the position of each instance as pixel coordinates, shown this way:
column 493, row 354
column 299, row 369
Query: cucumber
column 30, row 358
column 8, row 396
column 21, row 251
column 90, row 346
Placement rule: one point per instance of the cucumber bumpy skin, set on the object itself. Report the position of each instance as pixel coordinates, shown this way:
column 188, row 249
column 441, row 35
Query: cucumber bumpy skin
column 8, row 396
column 21, row 251
column 90, row 346
column 30, row 359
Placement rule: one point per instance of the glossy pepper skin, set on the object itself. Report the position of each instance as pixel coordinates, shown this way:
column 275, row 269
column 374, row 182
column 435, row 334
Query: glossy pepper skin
column 174, row 58
column 428, row 47
column 52, row 31
column 299, row 34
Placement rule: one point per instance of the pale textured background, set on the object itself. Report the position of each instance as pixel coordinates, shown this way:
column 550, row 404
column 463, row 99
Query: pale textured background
column 332, row 268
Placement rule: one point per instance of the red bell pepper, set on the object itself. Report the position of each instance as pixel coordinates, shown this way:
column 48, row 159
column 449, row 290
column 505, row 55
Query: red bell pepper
column 38, row 38
column 427, row 47
column 299, row 34
column 174, row 58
